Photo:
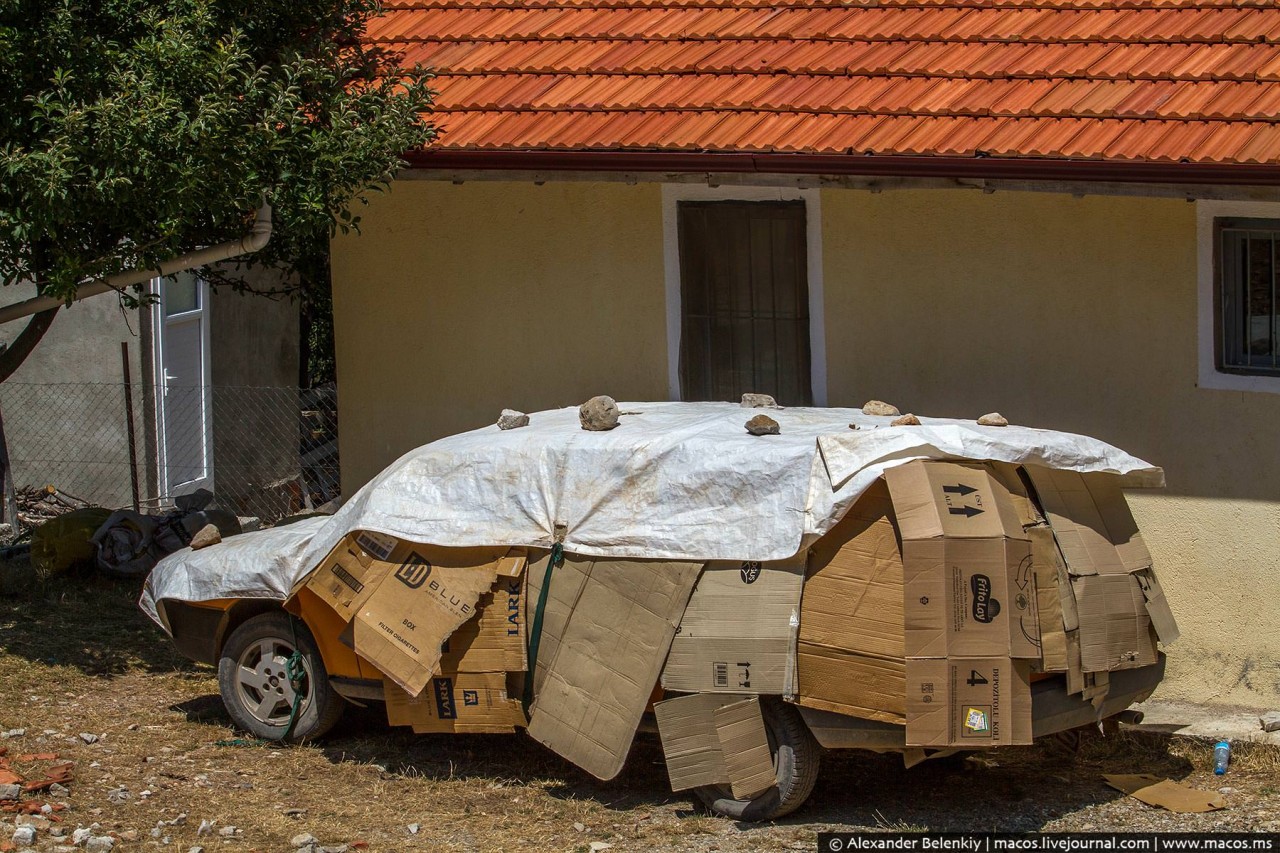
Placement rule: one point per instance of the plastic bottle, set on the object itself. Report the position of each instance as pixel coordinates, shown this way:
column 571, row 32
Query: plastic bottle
column 1221, row 757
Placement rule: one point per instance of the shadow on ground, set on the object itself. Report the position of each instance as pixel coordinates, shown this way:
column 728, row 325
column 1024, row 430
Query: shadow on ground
column 91, row 623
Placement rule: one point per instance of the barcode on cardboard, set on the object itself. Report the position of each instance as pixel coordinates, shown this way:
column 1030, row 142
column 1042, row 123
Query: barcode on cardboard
column 347, row 578
column 720, row 674
column 376, row 544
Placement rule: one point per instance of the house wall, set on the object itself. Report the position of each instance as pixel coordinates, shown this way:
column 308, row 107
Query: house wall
column 1076, row 314
column 66, row 403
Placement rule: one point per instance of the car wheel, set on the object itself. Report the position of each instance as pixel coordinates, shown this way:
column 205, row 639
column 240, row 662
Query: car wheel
column 795, row 764
column 255, row 685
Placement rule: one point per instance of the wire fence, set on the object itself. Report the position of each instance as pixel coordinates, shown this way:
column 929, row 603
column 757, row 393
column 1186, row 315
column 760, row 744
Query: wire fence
column 263, row 452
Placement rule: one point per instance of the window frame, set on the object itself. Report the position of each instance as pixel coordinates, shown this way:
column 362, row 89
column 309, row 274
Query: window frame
column 1224, row 342
column 672, row 195
column 1212, row 373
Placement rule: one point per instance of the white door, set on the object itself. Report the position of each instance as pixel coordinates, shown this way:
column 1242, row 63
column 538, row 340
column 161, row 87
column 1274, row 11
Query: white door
column 183, row 398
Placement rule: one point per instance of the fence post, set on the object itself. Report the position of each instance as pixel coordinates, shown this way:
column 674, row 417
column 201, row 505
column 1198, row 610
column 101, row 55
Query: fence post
column 8, row 500
column 128, row 420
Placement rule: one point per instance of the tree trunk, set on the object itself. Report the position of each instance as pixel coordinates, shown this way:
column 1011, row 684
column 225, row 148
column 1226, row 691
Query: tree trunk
column 12, row 356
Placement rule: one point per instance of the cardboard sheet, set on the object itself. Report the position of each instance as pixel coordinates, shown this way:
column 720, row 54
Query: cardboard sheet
column 745, row 745
column 463, row 703
column 973, row 703
column 605, row 632
column 1157, row 606
column 494, row 639
column 850, row 653
column 347, row 577
column 738, row 633
column 1166, row 794
column 690, row 744
column 1091, row 521
column 1115, row 630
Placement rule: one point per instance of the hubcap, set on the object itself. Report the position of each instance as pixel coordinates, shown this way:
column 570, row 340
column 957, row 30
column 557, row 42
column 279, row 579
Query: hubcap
column 263, row 685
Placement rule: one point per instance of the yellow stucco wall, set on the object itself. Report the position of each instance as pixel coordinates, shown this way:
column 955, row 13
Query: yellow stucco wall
column 1077, row 314
column 460, row 300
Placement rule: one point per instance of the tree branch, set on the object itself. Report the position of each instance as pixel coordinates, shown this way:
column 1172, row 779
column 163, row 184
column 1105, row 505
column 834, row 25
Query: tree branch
column 12, row 356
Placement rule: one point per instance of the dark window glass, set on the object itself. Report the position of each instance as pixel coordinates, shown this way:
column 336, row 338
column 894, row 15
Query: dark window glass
column 1248, row 263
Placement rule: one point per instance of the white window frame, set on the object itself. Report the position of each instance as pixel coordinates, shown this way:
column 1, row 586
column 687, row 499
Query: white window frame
column 672, row 195
column 1210, row 377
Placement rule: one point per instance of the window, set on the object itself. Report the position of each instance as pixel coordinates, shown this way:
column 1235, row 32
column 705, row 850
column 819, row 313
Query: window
column 744, row 301
column 1247, row 314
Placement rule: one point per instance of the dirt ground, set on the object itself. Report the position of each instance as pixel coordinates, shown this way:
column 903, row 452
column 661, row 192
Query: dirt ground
column 76, row 656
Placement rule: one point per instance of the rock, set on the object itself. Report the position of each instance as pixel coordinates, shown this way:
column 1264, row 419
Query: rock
column 89, row 737
column 880, row 408
column 598, row 414
column 414, row 828
column 597, row 846
column 581, row 827
column 759, row 401
column 10, row 792
column 99, row 844
column 206, row 827
column 39, row 823
column 195, row 850
column 763, row 425
column 228, row 831
column 206, row 536
column 80, row 836
column 854, row 426
column 118, row 796
column 993, row 419
column 304, row 839
column 1226, row 790
column 129, row 835
column 1270, row 723
column 24, row 836
column 336, row 848
column 13, row 733
column 511, row 419
column 906, row 420
column 56, row 790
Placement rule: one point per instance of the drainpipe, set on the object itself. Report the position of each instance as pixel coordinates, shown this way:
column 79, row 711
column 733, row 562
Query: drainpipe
column 257, row 237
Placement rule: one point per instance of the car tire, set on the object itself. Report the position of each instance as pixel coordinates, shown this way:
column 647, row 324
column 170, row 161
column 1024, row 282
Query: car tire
column 256, row 689
column 796, row 756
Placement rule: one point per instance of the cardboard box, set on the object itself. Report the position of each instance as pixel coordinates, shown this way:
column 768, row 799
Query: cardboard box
column 1115, row 630
column 425, row 593
column 475, row 703
column 968, row 702
column 606, row 627
column 1091, row 521
column 690, row 744
column 850, row 653
column 968, row 586
column 748, row 761
column 493, row 640
column 346, row 577
column 1049, row 572
column 738, row 634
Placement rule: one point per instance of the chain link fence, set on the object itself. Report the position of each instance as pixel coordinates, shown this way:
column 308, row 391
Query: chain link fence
column 263, row 452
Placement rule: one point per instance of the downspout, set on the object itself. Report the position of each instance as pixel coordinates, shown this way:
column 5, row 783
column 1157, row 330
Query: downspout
column 257, row 237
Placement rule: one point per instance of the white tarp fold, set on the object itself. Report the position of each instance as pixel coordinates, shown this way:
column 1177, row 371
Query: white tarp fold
column 674, row 481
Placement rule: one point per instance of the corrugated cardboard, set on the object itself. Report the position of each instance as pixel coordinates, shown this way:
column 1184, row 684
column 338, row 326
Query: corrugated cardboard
column 968, row 585
column 402, row 624
column 850, row 651
column 1157, row 606
column 494, row 639
column 744, row 743
column 1049, row 571
column 1015, row 480
column 1091, row 521
column 346, row 577
column 689, row 741
column 605, row 631
column 973, row 702
column 1115, row 630
column 738, row 632
column 476, row 703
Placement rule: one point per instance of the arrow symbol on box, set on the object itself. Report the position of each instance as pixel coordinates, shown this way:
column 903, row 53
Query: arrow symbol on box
column 960, row 490
column 967, row 511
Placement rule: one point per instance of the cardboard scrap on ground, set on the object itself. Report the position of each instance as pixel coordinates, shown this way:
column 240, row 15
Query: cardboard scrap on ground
column 1165, row 793
column 606, row 629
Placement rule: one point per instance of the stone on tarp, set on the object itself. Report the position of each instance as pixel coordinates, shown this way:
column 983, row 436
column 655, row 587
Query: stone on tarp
column 763, row 425
column 880, row 408
column 598, row 414
column 993, row 419
column 511, row 419
column 206, row 536
column 906, row 420
column 759, row 401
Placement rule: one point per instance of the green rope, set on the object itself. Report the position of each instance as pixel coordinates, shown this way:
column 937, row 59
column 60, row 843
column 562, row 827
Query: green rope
column 535, row 629
column 297, row 672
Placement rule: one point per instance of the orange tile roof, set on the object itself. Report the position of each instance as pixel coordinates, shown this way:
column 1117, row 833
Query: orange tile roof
column 1179, row 81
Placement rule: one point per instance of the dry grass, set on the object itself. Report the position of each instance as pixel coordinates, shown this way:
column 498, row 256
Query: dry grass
column 77, row 656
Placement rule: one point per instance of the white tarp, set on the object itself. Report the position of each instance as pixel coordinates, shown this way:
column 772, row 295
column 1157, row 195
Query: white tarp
column 673, row 481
